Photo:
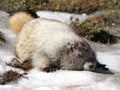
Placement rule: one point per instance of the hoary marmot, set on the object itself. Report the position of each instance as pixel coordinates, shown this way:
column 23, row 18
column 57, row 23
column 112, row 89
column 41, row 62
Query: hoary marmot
column 50, row 44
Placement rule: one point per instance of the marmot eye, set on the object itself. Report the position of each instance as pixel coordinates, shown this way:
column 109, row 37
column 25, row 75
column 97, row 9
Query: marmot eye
column 80, row 55
column 71, row 49
column 85, row 48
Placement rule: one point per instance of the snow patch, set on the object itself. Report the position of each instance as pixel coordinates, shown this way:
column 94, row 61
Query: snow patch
column 63, row 17
column 60, row 80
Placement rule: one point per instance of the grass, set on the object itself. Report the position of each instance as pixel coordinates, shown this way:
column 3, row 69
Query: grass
column 74, row 6
column 90, row 29
column 97, row 28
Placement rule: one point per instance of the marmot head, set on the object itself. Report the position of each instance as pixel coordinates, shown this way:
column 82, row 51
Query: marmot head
column 78, row 56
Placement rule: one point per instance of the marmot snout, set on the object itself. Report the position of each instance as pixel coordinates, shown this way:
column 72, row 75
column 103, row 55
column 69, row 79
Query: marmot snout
column 51, row 44
column 78, row 56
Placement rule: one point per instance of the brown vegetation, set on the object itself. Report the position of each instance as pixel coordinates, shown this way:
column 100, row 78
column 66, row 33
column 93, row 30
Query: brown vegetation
column 75, row 6
column 103, row 28
column 9, row 76
column 2, row 39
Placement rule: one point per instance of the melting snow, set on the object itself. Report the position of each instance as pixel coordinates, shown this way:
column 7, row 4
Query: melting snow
column 59, row 80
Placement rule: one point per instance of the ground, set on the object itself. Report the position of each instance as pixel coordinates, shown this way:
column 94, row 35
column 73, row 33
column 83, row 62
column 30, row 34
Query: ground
column 60, row 80
column 94, row 20
column 74, row 6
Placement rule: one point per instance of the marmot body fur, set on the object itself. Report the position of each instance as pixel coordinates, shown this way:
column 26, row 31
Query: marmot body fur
column 50, row 44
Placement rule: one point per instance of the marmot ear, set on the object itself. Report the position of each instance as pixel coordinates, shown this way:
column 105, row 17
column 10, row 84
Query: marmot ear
column 32, row 13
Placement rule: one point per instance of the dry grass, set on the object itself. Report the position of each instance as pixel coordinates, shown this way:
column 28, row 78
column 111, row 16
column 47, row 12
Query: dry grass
column 10, row 76
column 97, row 28
column 14, row 76
column 75, row 6
column 26, row 65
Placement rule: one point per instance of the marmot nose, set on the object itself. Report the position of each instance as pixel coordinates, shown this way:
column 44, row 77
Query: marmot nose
column 91, row 66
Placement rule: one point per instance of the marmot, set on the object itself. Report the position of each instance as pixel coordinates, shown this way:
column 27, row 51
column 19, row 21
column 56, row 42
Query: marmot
column 50, row 44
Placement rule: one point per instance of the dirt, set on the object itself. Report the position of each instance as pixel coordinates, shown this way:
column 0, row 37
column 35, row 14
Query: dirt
column 74, row 6
column 26, row 65
column 103, row 28
column 9, row 76
column 2, row 39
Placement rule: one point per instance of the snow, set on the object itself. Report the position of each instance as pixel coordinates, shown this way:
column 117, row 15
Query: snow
column 63, row 17
column 111, row 59
column 62, row 79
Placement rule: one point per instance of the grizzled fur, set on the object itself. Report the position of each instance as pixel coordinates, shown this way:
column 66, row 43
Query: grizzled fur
column 75, row 55
column 51, row 44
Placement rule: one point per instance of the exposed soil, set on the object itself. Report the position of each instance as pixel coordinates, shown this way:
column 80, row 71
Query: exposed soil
column 2, row 39
column 103, row 28
column 10, row 76
column 74, row 6
column 98, row 29
column 26, row 65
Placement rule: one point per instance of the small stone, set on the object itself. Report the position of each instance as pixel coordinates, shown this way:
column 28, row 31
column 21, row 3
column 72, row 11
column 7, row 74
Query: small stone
column 2, row 39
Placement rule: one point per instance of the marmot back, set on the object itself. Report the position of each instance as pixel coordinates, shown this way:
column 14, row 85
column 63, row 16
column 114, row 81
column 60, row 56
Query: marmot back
column 51, row 45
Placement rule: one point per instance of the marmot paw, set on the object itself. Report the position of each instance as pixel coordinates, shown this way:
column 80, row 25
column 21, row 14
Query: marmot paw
column 51, row 69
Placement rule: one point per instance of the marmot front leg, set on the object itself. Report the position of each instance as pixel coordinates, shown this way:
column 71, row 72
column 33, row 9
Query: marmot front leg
column 43, row 63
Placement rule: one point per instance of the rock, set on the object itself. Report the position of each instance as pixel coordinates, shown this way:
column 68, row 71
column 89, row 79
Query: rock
column 2, row 39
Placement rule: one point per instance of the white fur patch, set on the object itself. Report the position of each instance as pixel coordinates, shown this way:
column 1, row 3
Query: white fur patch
column 88, row 64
